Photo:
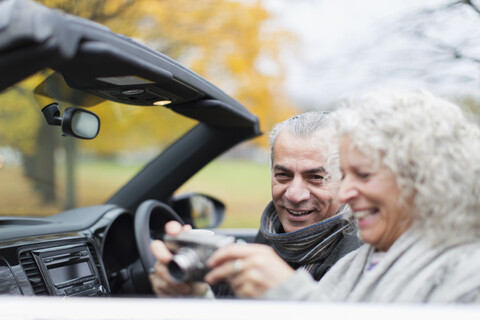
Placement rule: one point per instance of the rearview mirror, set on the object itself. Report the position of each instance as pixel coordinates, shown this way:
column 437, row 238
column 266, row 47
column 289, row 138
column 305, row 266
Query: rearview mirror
column 76, row 122
column 80, row 123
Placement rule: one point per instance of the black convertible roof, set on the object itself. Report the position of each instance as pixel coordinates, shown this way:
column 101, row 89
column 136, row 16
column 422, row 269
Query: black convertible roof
column 95, row 60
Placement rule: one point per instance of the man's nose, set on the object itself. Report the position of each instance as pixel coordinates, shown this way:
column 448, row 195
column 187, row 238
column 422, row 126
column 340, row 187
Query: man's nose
column 297, row 191
column 347, row 190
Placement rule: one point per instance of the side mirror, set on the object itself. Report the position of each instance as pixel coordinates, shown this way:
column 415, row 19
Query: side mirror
column 199, row 210
column 76, row 122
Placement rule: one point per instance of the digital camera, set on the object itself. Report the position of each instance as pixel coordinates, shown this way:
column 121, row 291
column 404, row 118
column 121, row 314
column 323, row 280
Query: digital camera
column 191, row 252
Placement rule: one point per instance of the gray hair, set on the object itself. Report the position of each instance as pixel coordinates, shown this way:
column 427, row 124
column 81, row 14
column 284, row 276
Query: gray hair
column 432, row 148
column 316, row 124
column 302, row 125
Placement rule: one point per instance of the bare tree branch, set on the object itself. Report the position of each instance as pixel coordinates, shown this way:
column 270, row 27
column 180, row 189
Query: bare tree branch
column 471, row 5
column 454, row 51
column 419, row 29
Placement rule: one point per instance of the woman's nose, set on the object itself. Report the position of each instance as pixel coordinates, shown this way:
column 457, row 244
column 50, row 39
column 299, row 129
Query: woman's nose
column 347, row 190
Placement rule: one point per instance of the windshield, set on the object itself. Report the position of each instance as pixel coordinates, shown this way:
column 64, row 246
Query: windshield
column 44, row 173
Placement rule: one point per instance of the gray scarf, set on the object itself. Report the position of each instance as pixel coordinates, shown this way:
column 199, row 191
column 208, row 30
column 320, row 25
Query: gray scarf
column 307, row 247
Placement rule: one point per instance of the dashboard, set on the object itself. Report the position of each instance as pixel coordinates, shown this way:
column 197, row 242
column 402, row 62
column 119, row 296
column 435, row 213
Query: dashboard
column 65, row 268
column 82, row 252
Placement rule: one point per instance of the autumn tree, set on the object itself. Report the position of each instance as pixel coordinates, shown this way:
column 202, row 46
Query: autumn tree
column 224, row 41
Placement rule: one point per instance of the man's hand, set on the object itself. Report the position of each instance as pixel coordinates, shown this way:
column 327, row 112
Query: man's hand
column 162, row 283
column 250, row 269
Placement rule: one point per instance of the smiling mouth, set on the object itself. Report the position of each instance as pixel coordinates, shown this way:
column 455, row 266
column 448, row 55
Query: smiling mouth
column 299, row 213
column 364, row 213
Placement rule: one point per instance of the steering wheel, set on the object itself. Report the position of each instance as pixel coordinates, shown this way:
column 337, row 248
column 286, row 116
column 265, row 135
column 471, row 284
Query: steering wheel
column 156, row 213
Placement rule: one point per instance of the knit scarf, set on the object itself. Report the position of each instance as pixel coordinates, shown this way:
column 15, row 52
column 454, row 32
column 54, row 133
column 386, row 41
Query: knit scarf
column 307, row 247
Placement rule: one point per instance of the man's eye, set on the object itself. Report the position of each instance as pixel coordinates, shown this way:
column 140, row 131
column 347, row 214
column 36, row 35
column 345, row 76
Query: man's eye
column 316, row 178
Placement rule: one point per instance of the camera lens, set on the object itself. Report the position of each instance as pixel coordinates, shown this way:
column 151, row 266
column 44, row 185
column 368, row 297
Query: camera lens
column 187, row 265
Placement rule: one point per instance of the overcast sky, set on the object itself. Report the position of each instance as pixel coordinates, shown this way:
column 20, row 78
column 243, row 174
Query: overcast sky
column 349, row 45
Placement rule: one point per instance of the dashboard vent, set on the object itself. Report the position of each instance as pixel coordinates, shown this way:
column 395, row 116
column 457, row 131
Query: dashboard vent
column 33, row 273
column 97, row 262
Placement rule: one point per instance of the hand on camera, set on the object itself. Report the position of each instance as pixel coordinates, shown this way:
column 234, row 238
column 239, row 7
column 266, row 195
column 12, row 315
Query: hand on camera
column 162, row 283
column 250, row 269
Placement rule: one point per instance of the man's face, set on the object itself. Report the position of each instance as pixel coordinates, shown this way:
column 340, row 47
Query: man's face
column 299, row 192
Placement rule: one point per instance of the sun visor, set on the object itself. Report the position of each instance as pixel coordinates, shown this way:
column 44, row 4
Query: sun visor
column 111, row 66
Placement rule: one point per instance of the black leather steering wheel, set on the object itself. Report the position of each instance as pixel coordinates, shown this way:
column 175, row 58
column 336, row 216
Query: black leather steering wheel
column 147, row 211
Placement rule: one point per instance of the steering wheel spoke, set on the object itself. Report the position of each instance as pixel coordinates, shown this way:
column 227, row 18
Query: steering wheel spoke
column 148, row 211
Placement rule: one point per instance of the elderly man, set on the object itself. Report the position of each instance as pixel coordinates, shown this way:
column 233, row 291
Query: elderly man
column 305, row 222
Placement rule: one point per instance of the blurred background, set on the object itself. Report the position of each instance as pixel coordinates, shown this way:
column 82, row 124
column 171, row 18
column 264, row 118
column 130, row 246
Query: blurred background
column 278, row 58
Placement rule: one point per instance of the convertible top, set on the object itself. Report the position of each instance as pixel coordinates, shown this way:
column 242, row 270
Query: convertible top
column 111, row 66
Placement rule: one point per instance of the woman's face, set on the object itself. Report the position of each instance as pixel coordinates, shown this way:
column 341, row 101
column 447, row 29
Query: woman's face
column 373, row 194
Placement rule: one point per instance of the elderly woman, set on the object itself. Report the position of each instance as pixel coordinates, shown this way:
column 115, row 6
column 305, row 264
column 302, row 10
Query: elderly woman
column 410, row 166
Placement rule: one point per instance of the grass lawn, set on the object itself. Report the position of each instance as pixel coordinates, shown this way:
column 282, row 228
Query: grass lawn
column 243, row 186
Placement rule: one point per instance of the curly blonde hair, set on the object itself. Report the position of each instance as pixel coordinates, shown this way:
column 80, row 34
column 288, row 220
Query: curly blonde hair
column 433, row 149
